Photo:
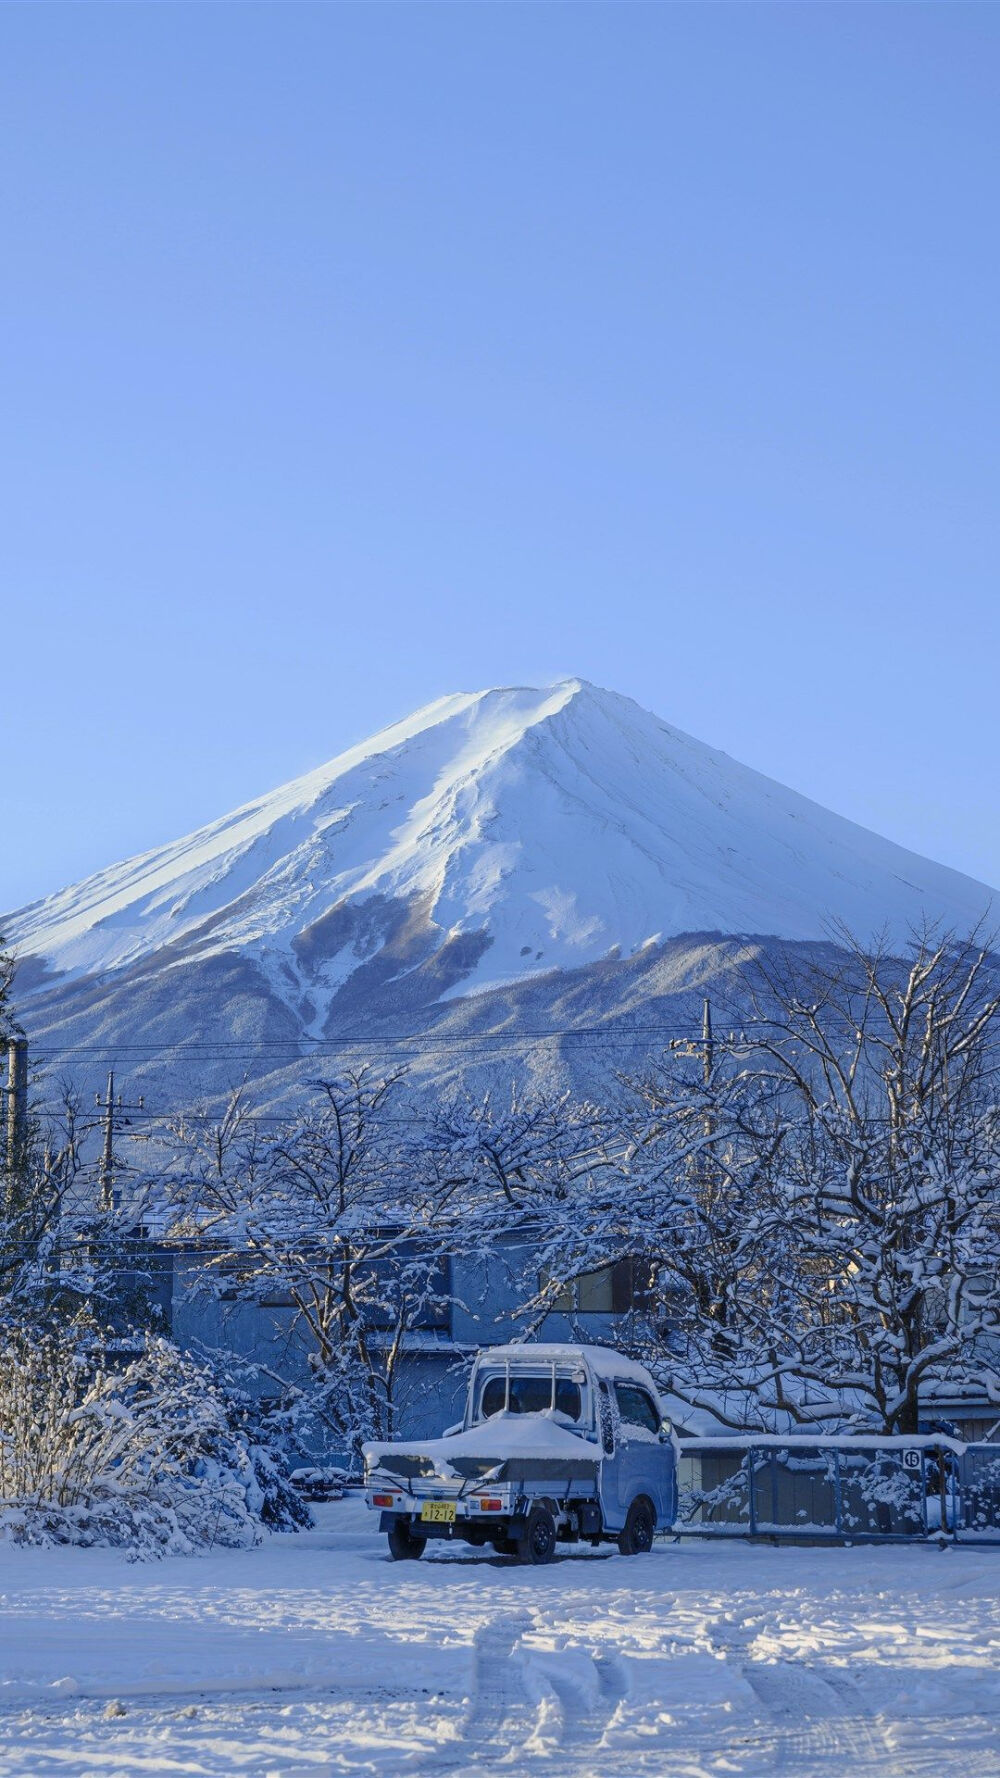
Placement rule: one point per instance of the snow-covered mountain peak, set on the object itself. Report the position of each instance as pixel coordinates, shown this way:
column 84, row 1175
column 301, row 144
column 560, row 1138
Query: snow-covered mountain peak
column 518, row 830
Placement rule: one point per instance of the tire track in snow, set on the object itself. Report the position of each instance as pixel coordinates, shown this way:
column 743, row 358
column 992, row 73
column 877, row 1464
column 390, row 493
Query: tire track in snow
column 824, row 1732
column 819, row 1718
column 527, row 1706
column 500, row 1701
column 587, row 1710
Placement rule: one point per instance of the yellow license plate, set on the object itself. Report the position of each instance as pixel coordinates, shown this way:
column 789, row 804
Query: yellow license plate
column 438, row 1512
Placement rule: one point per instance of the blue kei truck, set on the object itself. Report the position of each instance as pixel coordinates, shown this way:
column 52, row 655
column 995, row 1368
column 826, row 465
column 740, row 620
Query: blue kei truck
column 559, row 1444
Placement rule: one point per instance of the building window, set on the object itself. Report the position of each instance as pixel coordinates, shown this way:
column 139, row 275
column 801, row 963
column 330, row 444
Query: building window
column 276, row 1297
column 384, row 1290
column 610, row 1290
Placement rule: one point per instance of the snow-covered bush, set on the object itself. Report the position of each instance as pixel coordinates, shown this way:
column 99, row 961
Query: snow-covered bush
column 263, row 1431
column 139, row 1448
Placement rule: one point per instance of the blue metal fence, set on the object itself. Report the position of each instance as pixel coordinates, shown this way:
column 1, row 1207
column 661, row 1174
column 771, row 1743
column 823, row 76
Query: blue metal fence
column 840, row 1490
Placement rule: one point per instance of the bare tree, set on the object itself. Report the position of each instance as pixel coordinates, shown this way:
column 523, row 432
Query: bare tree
column 820, row 1210
column 888, row 1071
column 326, row 1223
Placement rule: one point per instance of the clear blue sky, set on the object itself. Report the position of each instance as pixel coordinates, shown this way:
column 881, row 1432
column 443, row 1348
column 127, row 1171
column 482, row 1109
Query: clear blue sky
column 353, row 354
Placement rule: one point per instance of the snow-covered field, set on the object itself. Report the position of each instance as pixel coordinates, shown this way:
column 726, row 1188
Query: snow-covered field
column 315, row 1655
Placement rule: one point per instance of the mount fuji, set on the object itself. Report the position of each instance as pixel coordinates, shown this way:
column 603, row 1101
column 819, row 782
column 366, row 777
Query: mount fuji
column 498, row 861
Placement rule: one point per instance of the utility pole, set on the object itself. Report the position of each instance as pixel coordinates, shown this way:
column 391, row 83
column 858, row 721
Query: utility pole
column 111, row 1109
column 707, row 1044
column 16, row 1147
column 703, row 1045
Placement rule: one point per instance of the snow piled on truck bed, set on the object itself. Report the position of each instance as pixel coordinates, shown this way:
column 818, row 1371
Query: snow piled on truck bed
column 317, row 1655
column 503, row 1437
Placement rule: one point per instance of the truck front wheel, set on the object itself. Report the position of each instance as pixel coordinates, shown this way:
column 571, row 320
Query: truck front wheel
column 404, row 1544
column 538, row 1540
column 636, row 1537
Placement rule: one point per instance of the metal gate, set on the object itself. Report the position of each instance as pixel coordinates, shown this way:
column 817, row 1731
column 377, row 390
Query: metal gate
column 846, row 1490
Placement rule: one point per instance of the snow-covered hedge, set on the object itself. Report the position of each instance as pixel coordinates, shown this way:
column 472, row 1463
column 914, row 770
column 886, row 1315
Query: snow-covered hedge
column 142, row 1449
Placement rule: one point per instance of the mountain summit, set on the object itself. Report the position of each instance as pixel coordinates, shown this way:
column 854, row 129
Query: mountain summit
column 489, row 838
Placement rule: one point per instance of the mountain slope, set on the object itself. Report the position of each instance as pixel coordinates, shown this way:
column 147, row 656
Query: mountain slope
column 487, row 841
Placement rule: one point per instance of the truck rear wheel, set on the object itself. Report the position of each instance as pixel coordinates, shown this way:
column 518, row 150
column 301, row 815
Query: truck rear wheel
column 636, row 1537
column 538, row 1540
column 404, row 1544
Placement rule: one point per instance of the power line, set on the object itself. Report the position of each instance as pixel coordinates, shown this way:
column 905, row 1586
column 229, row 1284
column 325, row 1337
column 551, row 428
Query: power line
column 266, row 1048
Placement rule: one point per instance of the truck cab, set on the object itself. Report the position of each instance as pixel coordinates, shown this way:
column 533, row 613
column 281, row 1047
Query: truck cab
column 558, row 1443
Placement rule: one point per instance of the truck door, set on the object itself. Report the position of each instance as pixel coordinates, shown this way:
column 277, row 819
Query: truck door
column 612, row 1511
column 644, row 1461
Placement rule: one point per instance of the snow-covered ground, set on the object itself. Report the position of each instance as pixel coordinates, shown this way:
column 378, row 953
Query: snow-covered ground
column 315, row 1655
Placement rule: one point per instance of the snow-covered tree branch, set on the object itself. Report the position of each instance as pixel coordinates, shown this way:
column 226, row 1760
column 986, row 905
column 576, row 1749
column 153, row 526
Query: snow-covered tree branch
column 819, row 1209
column 328, row 1221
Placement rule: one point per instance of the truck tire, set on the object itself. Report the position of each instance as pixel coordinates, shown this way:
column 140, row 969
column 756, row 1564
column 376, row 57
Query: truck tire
column 404, row 1544
column 636, row 1537
column 538, row 1541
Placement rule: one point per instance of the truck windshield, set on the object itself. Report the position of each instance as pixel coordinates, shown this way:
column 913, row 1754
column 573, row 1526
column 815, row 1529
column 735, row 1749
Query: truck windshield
column 530, row 1395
